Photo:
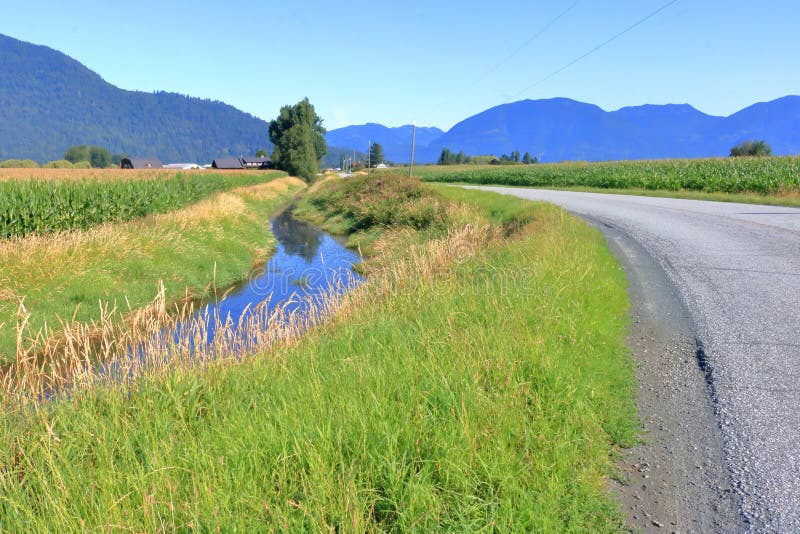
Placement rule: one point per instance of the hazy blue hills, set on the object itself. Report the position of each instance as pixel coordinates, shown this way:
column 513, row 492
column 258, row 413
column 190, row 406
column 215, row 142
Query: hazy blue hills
column 49, row 102
column 777, row 122
column 562, row 129
column 396, row 142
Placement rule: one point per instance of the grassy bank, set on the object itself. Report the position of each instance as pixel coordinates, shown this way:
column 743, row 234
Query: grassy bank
column 66, row 276
column 777, row 177
column 478, row 382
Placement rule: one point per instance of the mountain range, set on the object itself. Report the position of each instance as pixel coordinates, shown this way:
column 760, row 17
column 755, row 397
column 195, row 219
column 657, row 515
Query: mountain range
column 49, row 102
column 560, row 129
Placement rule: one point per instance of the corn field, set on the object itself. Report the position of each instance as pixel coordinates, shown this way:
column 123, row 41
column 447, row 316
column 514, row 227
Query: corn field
column 767, row 176
column 44, row 205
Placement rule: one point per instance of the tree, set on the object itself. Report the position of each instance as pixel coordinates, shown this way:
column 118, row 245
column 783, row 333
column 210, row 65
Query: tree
column 261, row 153
column 98, row 157
column 375, row 154
column 754, row 148
column 528, row 160
column 298, row 136
column 78, row 153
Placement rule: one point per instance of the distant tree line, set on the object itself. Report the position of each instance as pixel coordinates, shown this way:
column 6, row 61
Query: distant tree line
column 751, row 148
column 76, row 157
column 449, row 157
column 98, row 157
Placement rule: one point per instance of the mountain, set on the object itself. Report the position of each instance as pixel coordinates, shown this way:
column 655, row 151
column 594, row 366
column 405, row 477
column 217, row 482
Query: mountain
column 777, row 122
column 49, row 102
column 396, row 142
column 561, row 129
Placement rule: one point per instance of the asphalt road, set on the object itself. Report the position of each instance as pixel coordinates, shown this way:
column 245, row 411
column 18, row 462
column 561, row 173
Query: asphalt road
column 736, row 268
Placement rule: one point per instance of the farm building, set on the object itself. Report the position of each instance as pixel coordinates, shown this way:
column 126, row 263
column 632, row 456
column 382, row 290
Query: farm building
column 256, row 162
column 140, row 163
column 227, row 163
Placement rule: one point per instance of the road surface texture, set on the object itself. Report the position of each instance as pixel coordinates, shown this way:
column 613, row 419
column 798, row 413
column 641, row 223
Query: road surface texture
column 716, row 335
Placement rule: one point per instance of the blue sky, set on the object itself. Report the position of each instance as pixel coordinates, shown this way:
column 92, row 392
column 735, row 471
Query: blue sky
column 435, row 63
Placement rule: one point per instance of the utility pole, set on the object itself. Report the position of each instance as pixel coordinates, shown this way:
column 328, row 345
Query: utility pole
column 369, row 156
column 413, row 140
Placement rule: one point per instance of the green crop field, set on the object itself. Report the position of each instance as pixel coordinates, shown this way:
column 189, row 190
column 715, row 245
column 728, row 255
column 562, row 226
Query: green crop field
column 46, row 205
column 764, row 176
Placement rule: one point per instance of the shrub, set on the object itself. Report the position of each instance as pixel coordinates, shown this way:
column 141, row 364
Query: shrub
column 379, row 200
column 58, row 164
column 19, row 164
column 751, row 148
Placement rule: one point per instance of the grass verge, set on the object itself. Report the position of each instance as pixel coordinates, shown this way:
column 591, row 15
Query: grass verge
column 478, row 382
column 74, row 276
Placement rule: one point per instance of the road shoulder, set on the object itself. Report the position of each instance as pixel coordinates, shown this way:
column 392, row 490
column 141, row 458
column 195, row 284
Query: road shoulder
column 675, row 480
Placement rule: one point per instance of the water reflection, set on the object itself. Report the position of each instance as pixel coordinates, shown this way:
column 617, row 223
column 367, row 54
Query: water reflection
column 298, row 238
column 307, row 265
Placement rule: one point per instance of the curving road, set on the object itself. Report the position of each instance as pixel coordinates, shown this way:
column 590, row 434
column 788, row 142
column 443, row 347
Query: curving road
column 736, row 268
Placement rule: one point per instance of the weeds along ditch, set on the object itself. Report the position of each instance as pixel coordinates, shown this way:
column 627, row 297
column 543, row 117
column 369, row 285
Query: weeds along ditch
column 478, row 380
column 760, row 175
column 44, row 206
column 106, row 273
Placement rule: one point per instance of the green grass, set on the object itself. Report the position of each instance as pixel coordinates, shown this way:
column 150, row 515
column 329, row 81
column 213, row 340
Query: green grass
column 767, row 176
column 214, row 243
column 487, row 396
column 46, row 206
column 362, row 207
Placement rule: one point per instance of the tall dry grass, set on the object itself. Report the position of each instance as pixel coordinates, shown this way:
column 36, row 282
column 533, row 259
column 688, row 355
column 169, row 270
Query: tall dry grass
column 124, row 345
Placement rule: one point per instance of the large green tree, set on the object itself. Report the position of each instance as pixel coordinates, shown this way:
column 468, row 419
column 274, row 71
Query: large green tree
column 299, row 139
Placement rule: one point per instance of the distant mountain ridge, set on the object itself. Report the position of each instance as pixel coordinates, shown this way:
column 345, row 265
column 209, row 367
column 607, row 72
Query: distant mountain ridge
column 561, row 129
column 49, row 102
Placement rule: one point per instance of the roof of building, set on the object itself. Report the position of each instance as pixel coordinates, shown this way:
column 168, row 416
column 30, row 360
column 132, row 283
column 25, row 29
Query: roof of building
column 140, row 163
column 227, row 163
column 254, row 160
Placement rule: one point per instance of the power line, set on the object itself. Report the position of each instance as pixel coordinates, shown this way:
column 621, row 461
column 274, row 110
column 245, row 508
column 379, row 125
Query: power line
column 526, row 43
column 596, row 48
